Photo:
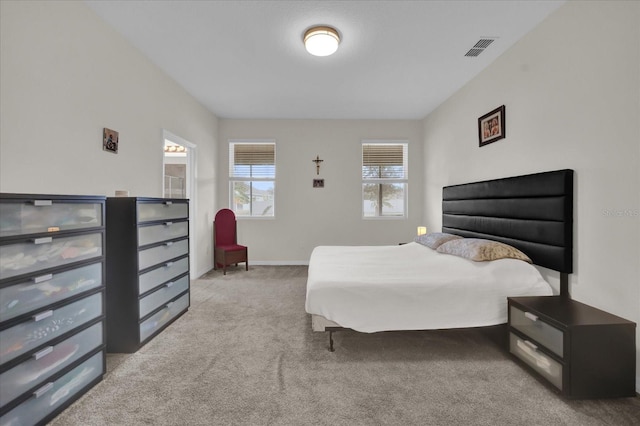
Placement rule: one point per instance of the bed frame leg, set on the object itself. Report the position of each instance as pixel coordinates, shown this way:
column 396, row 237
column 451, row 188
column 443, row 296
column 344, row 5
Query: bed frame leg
column 331, row 349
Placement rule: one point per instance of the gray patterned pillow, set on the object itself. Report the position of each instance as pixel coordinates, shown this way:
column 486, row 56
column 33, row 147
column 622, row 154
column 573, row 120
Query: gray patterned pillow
column 435, row 239
column 481, row 250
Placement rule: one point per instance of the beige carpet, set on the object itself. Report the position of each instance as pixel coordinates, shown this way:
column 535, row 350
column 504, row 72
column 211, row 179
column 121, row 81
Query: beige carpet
column 244, row 354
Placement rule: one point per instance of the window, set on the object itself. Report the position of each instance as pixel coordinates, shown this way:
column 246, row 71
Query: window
column 384, row 178
column 252, row 178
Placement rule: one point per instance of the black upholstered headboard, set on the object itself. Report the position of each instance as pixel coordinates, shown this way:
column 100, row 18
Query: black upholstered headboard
column 533, row 213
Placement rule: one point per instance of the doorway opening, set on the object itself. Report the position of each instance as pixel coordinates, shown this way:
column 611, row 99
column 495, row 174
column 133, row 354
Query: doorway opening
column 175, row 170
column 179, row 177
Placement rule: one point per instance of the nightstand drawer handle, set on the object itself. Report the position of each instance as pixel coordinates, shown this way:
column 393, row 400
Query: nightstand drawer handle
column 531, row 345
column 532, row 317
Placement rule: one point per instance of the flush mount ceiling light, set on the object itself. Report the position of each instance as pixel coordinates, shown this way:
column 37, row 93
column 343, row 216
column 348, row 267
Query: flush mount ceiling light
column 321, row 41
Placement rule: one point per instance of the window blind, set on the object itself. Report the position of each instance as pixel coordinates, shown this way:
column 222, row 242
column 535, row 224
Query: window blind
column 384, row 161
column 252, row 160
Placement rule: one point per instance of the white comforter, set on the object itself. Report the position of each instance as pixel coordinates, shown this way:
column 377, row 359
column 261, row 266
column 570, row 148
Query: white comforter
column 412, row 287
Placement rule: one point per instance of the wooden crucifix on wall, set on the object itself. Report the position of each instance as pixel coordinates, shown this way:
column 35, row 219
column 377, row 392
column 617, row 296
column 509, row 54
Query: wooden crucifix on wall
column 317, row 161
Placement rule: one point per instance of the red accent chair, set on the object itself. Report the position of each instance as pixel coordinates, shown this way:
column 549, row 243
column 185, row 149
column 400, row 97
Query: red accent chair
column 226, row 250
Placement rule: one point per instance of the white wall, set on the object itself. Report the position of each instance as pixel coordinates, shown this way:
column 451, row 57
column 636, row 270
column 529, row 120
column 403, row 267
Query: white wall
column 305, row 216
column 572, row 93
column 571, row 88
column 64, row 75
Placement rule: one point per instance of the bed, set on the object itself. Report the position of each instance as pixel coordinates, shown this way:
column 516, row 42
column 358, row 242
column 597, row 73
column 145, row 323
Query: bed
column 425, row 287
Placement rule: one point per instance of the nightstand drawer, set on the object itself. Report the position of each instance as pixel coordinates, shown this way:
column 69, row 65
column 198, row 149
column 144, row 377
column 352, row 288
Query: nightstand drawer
column 47, row 325
column 47, row 362
column 165, row 231
column 538, row 330
column 148, row 212
column 159, row 319
column 549, row 368
column 46, row 289
column 169, row 250
column 53, row 394
column 35, row 254
column 151, row 279
column 161, row 296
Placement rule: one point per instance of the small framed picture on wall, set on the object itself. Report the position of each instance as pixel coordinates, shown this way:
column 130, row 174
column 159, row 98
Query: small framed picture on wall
column 110, row 140
column 491, row 126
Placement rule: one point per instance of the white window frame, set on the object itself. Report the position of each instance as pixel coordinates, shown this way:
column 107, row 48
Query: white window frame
column 380, row 181
column 233, row 179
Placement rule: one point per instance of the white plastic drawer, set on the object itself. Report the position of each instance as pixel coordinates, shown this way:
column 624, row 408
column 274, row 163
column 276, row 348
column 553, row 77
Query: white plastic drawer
column 47, row 362
column 42, row 215
column 41, row 253
column 549, row 368
column 165, row 231
column 158, row 254
column 162, row 211
column 543, row 333
column 152, row 278
column 52, row 395
column 46, row 289
column 46, row 325
column 159, row 319
column 161, row 296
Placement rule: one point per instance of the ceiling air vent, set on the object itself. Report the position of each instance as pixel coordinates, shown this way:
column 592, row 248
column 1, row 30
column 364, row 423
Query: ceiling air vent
column 479, row 47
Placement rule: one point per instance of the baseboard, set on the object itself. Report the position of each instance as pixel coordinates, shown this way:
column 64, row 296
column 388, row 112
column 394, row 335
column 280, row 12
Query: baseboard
column 201, row 272
column 278, row 262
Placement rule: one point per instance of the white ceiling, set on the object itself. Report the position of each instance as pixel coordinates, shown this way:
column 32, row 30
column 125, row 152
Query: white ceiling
column 397, row 59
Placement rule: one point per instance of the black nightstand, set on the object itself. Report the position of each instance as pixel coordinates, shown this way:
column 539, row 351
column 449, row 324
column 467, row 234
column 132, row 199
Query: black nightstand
column 582, row 351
